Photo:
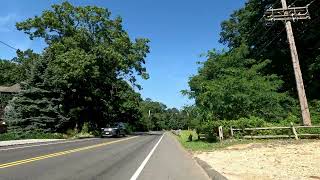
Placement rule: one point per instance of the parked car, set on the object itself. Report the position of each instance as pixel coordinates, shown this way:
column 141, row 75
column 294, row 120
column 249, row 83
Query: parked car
column 116, row 130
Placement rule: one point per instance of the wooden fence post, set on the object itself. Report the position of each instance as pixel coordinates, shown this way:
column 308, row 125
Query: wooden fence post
column 231, row 132
column 294, row 131
column 220, row 133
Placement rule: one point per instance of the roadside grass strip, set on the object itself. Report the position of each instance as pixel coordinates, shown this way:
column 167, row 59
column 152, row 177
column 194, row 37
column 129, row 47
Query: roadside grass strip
column 15, row 163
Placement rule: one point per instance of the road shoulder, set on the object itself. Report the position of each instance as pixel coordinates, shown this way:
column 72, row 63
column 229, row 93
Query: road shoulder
column 171, row 161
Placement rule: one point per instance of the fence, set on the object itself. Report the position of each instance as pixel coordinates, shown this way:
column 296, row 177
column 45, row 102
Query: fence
column 291, row 127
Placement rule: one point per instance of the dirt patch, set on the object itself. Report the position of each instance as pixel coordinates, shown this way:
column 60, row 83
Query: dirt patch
column 272, row 160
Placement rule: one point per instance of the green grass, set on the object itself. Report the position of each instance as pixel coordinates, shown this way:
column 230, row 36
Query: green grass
column 203, row 145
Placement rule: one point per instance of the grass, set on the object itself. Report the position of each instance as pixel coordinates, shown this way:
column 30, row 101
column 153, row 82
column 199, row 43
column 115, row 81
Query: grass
column 203, row 145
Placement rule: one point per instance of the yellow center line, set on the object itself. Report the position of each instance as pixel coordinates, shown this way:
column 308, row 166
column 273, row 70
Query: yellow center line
column 24, row 161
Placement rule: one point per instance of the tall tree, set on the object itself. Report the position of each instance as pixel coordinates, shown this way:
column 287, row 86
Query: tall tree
column 230, row 86
column 270, row 42
column 17, row 69
column 88, row 59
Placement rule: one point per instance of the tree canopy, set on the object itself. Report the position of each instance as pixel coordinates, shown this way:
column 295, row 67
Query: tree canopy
column 247, row 25
column 230, row 86
column 254, row 76
column 86, row 74
column 157, row 116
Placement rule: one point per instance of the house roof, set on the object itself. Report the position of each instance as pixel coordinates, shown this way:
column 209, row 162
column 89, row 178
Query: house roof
column 10, row 89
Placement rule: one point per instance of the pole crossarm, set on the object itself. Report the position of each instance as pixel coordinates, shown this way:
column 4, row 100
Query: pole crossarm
column 287, row 14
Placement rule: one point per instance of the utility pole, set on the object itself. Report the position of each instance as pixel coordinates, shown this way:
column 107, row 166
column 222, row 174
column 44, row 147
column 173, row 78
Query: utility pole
column 287, row 15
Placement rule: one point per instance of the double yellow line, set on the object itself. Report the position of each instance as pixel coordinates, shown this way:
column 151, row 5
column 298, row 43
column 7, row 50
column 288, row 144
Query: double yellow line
column 24, row 161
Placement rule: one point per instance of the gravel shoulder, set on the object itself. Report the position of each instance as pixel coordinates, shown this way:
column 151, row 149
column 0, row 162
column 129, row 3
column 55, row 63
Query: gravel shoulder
column 271, row 160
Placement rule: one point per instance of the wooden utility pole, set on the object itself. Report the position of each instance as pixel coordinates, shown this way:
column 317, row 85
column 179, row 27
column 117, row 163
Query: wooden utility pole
column 287, row 15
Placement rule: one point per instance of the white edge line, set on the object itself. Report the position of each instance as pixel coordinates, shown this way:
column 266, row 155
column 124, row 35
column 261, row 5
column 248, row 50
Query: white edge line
column 46, row 144
column 139, row 170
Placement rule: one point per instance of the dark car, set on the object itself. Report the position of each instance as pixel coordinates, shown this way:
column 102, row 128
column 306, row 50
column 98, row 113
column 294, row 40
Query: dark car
column 116, row 130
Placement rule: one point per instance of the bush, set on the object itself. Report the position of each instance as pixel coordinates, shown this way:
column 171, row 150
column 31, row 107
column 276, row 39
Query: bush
column 29, row 135
column 85, row 128
column 211, row 128
column 315, row 112
column 71, row 132
column 129, row 128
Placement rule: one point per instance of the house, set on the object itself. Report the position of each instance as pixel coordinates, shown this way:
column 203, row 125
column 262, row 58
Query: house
column 10, row 89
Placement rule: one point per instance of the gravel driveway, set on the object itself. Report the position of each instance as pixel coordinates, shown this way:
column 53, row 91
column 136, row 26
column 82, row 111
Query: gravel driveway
column 273, row 160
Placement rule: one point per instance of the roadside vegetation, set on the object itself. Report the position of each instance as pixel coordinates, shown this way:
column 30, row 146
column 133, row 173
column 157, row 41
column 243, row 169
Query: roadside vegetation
column 30, row 135
column 87, row 75
column 82, row 81
column 197, row 145
column 206, row 145
column 252, row 84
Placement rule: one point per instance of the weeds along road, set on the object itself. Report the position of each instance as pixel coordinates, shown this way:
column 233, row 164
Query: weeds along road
column 149, row 156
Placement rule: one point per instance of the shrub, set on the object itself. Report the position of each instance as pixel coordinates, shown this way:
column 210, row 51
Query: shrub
column 71, row 132
column 210, row 128
column 29, row 135
column 85, row 128
column 315, row 112
column 129, row 128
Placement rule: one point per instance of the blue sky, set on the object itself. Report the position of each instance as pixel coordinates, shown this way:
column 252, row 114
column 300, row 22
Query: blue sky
column 179, row 30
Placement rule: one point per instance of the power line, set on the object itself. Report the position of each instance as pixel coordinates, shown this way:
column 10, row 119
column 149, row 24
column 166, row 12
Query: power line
column 8, row 45
column 297, row 0
column 310, row 3
column 268, row 44
column 258, row 22
column 307, row 25
column 287, row 15
column 292, row 3
column 265, row 46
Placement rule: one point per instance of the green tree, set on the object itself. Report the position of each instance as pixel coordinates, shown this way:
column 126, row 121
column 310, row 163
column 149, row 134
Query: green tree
column 156, row 116
column 35, row 109
column 153, row 115
column 270, row 42
column 8, row 72
column 230, row 86
column 18, row 69
column 88, row 62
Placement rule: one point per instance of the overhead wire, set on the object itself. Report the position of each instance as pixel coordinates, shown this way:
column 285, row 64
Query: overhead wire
column 310, row 3
column 265, row 45
column 8, row 45
column 258, row 22
column 292, row 3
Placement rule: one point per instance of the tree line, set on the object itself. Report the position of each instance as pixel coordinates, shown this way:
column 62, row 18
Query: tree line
column 253, row 80
column 86, row 75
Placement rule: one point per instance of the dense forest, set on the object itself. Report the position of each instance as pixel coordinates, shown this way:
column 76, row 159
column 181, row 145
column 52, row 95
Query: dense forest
column 254, row 77
column 86, row 75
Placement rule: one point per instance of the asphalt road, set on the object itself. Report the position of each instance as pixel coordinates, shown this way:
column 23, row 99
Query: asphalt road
column 152, row 157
